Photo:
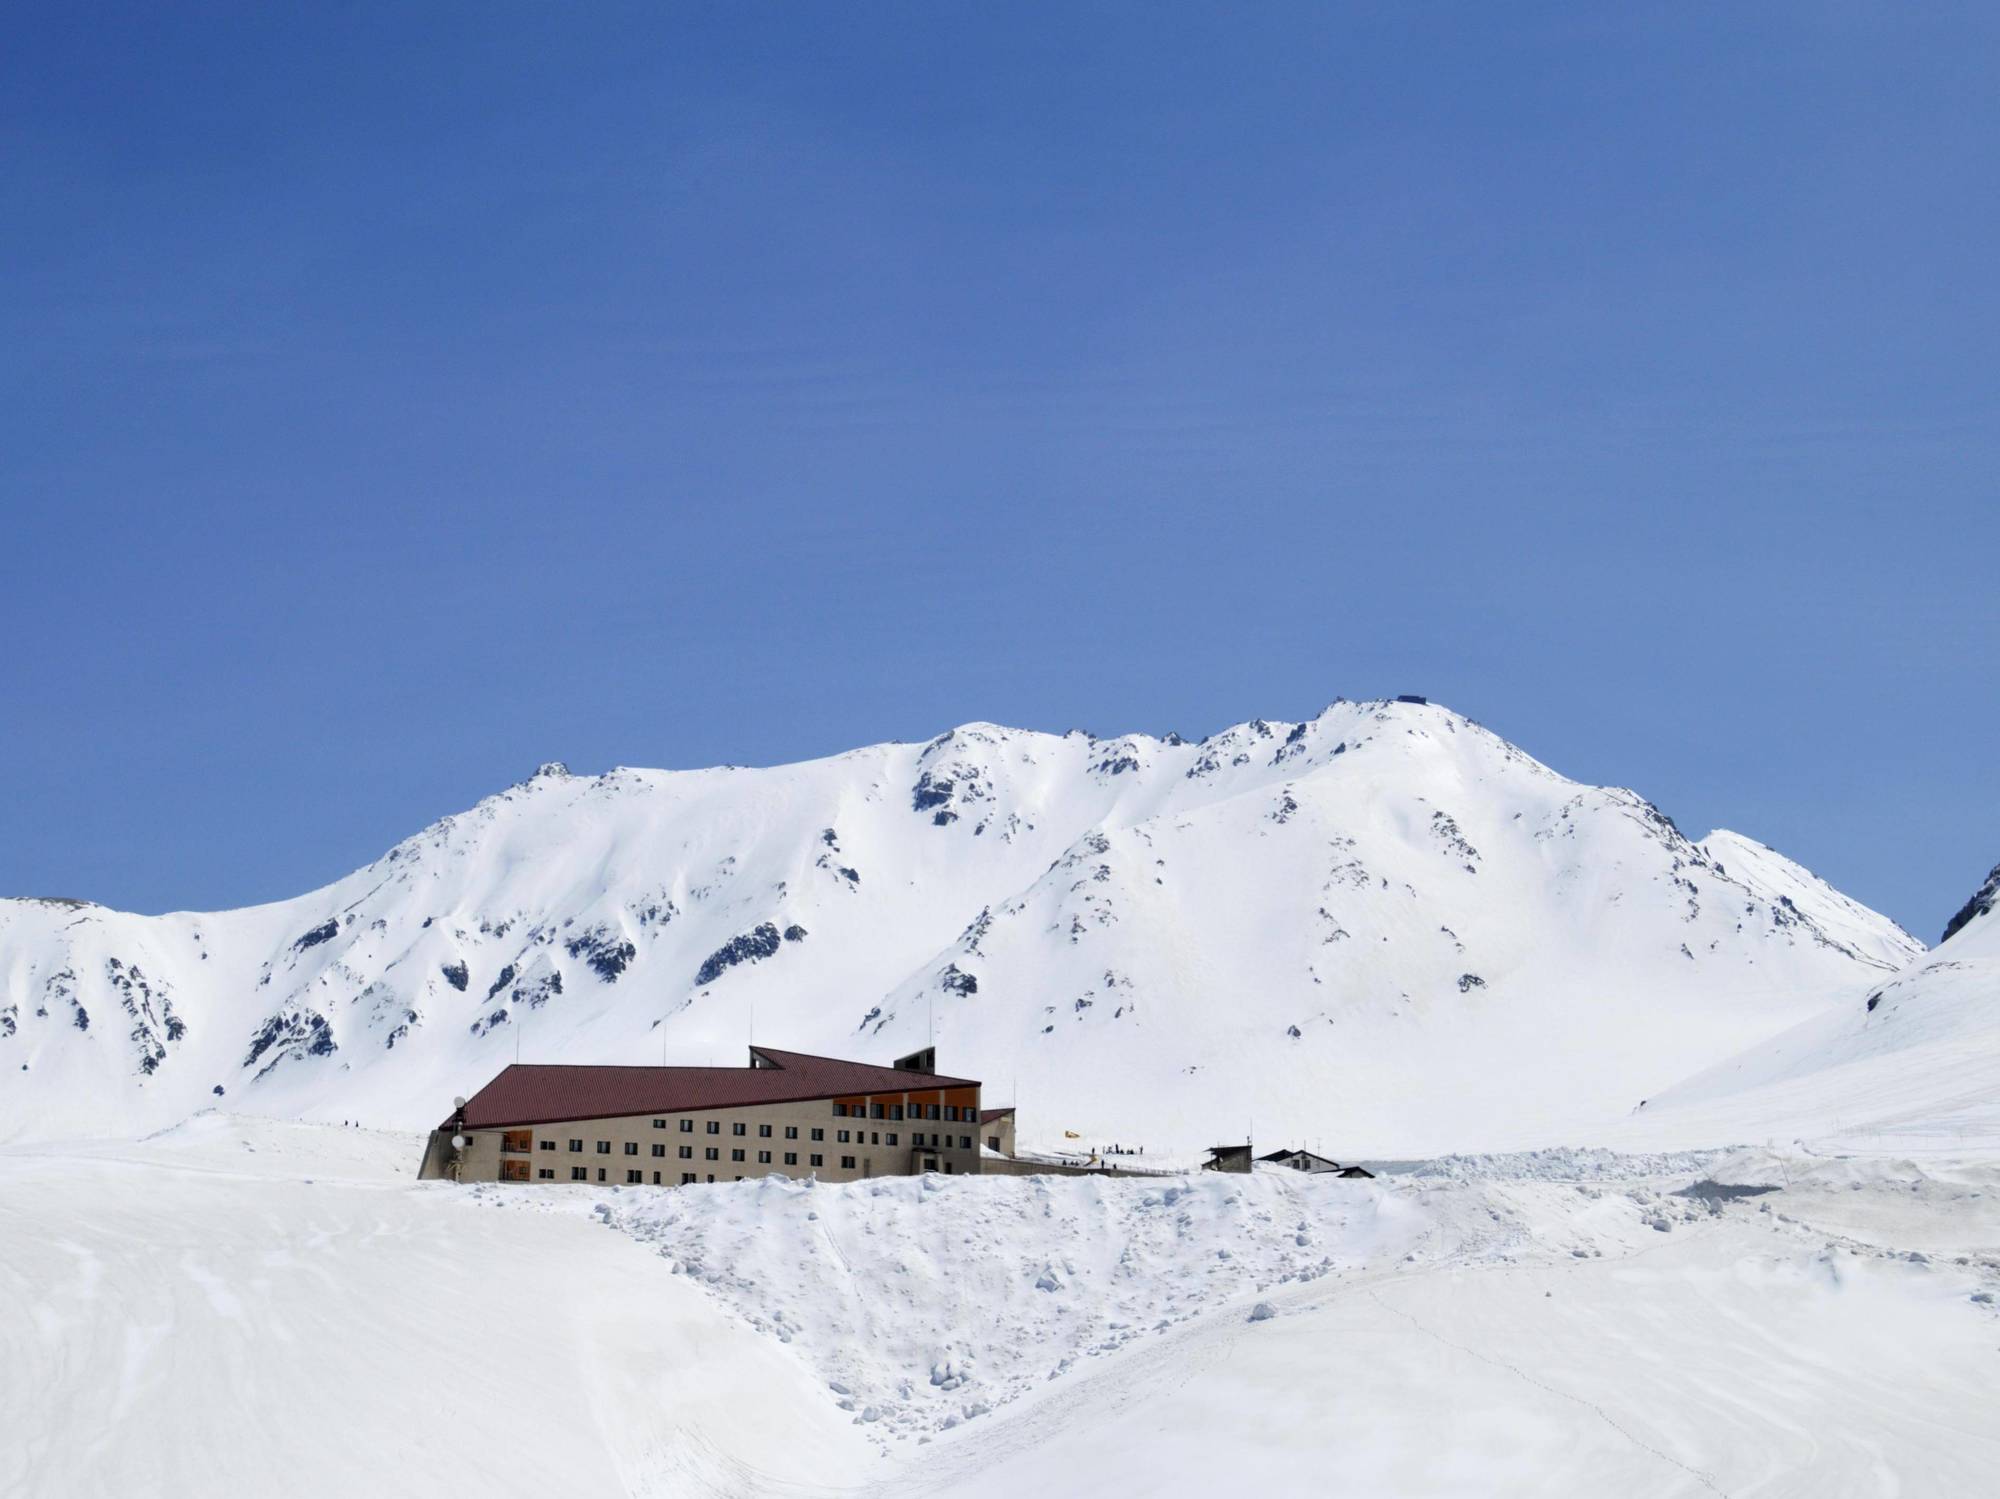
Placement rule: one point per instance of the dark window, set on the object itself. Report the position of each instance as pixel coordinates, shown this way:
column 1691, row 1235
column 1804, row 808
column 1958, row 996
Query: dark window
column 631, row 1147
column 604, row 1147
column 656, row 1178
column 659, row 1149
column 895, row 1111
column 847, row 1162
column 578, row 1174
column 711, row 1176
column 791, row 1158
column 659, row 1124
column 993, row 1143
column 819, row 1134
column 712, row 1154
column 547, row 1144
column 735, row 1155
column 600, row 1173
column 763, row 1157
column 791, row 1132
column 874, row 1137
column 842, row 1135
column 738, row 1129
column 635, row 1176
column 687, row 1178
column 687, row 1152
column 546, row 1173
column 965, row 1142
column 877, row 1111
column 576, row 1145
column 932, row 1112
column 819, row 1160
column 715, row 1126
column 892, row 1137
column 840, row 1111
column 687, row 1126
column 763, row 1131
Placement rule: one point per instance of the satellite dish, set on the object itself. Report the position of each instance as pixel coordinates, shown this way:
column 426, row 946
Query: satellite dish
column 458, row 1103
column 458, row 1142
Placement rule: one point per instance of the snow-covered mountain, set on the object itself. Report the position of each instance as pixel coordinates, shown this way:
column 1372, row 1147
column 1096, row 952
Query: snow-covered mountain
column 1384, row 929
column 1915, row 1061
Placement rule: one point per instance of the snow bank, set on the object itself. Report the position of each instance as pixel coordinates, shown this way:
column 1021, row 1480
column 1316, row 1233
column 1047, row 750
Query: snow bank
column 925, row 1302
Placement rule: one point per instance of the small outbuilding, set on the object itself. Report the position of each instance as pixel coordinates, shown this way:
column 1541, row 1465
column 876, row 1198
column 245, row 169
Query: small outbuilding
column 1233, row 1158
column 996, row 1129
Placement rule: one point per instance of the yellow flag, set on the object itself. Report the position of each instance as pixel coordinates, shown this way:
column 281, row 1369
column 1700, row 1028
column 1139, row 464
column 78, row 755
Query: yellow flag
column 1070, row 1134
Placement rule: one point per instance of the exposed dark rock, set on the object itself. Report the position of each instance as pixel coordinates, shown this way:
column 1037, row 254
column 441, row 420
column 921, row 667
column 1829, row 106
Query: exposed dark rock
column 457, row 975
column 955, row 980
column 1982, row 903
column 605, row 951
column 795, row 933
column 326, row 931
column 944, row 817
column 748, row 948
column 1467, row 982
column 930, row 792
column 506, row 977
column 301, row 1034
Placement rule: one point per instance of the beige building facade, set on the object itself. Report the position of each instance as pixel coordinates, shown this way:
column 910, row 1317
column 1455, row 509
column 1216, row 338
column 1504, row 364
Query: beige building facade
column 703, row 1125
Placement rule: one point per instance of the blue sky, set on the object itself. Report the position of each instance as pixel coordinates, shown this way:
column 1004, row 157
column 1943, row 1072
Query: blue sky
column 393, row 397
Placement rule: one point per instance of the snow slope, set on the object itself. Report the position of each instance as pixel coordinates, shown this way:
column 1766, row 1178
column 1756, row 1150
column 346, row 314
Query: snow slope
column 1385, row 929
column 243, row 1306
column 1912, row 1064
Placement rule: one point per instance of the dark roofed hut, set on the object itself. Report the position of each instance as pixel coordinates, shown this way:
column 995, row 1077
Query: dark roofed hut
column 1232, row 1158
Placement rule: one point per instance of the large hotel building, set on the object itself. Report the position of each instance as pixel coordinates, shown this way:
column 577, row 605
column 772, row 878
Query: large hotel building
column 674, row 1126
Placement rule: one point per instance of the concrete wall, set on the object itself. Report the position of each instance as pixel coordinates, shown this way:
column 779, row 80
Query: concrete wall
column 1002, row 1130
column 878, row 1147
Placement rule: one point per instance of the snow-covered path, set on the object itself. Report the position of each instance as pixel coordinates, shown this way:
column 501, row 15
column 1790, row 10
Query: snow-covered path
column 247, row 1308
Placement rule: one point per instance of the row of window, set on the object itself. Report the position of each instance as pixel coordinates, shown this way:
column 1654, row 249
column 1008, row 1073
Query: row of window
column 638, row 1178
column 895, row 1111
column 714, row 1127
column 517, row 1141
column 859, row 1136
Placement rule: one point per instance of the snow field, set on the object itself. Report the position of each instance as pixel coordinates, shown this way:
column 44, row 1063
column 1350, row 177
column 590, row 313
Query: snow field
column 246, row 1306
column 926, row 1302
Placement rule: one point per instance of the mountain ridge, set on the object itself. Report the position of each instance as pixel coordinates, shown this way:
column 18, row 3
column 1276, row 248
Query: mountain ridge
column 1386, row 869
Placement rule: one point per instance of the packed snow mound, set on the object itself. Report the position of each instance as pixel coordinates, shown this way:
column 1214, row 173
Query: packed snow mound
column 925, row 1302
column 1384, row 927
column 1914, row 1062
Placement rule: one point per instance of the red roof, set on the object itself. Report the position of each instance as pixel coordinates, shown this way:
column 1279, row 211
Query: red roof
column 528, row 1093
column 987, row 1116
